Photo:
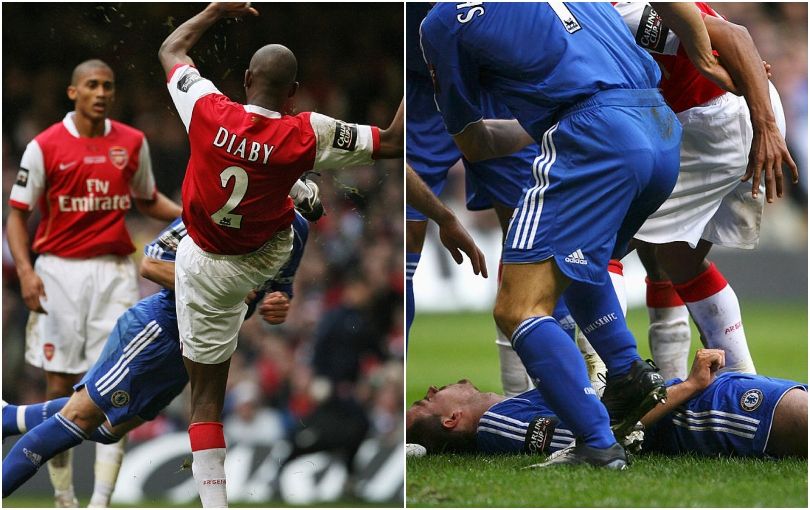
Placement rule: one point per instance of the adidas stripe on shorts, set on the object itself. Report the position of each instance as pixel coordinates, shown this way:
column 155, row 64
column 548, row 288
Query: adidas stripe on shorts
column 603, row 168
column 141, row 367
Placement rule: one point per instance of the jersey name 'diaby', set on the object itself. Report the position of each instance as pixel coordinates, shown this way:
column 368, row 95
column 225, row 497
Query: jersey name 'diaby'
column 250, row 152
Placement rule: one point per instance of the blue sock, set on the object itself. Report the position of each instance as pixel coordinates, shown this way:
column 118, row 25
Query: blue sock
column 54, row 435
column 563, row 316
column 33, row 415
column 598, row 313
column 411, row 262
column 559, row 372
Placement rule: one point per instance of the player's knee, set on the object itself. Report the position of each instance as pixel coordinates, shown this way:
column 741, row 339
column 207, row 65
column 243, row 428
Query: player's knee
column 506, row 317
column 82, row 411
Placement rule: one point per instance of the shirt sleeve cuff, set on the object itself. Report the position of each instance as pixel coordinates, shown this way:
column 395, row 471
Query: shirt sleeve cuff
column 19, row 205
column 175, row 68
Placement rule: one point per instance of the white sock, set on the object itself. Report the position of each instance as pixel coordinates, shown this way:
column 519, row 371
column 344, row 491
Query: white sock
column 720, row 320
column 60, row 470
column 208, row 467
column 594, row 363
column 514, row 378
column 716, row 311
column 670, row 338
column 108, row 464
column 669, row 335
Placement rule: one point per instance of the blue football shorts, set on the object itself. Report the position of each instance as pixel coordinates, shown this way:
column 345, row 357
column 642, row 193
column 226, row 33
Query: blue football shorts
column 603, row 168
column 140, row 371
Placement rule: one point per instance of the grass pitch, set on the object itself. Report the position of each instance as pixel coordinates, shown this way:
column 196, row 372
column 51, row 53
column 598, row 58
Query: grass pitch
column 447, row 347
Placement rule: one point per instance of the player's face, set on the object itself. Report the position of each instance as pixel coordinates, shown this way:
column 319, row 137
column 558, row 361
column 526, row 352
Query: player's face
column 443, row 401
column 93, row 93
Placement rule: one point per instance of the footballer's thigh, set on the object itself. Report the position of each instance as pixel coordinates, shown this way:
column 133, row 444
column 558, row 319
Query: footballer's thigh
column 789, row 429
column 527, row 290
column 210, row 292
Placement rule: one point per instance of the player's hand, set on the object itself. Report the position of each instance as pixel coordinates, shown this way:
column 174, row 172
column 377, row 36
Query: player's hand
column 767, row 67
column 769, row 153
column 456, row 239
column 233, row 9
column 705, row 366
column 274, row 307
column 32, row 290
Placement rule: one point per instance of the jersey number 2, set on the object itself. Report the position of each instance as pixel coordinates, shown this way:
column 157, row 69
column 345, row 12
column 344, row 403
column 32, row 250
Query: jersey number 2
column 223, row 217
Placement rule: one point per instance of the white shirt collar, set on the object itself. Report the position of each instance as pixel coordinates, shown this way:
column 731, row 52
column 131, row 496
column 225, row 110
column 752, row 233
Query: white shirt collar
column 70, row 125
column 252, row 108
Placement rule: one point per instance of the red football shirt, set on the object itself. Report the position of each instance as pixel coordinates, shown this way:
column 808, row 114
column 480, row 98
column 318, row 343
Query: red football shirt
column 83, row 187
column 682, row 85
column 244, row 160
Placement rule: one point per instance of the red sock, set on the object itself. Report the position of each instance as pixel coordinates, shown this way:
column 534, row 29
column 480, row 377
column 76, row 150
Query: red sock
column 662, row 294
column 708, row 283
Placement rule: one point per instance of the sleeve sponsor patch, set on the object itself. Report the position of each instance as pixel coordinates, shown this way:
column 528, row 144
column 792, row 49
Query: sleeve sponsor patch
column 652, row 33
column 539, row 434
column 22, row 178
column 345, row 136
column 188, row 79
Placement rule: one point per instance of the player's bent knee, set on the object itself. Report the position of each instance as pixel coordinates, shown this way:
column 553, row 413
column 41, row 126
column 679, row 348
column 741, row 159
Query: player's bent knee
column 82, row 411
column 507, row 317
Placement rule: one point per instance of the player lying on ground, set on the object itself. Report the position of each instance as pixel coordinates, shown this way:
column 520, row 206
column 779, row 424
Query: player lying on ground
column 730, row 414
column 139, row 372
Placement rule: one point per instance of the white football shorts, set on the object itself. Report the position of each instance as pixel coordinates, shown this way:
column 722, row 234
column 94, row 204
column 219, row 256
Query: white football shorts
column 84, row 299
column 709, row 201
column 210, row 291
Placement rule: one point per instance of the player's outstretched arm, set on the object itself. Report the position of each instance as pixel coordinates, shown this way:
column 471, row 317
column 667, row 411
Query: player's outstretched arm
column 31, row 285
column 391, row 138
column 742, row 60
column 491, row 138
column 175, row 48
column 452, row 234
column 686, row 21
column 158, row 271
column 704, row 369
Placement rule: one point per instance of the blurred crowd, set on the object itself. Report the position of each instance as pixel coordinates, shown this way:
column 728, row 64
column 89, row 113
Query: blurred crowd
column 342, row 346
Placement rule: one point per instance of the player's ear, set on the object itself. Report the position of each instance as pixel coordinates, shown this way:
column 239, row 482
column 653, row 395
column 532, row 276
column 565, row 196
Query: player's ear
column 248, row 78
column 72, row 92
column 452, row 421
column 293, row 89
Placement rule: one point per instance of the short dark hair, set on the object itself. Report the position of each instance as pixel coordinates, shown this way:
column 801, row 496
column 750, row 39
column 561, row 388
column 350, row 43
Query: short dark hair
column 428, row 431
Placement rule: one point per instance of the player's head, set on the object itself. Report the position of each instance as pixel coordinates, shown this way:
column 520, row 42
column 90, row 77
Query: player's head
column 92, row 89
column 446, row 419
column 271, row 74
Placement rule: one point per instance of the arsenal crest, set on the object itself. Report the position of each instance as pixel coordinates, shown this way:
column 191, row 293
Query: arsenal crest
column 119, row 157
column 48, row 350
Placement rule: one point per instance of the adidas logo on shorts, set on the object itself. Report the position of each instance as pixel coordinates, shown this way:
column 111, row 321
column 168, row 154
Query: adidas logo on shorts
column 576, row 258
